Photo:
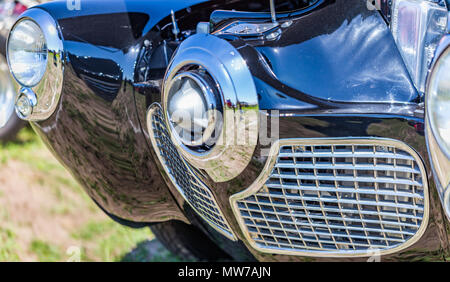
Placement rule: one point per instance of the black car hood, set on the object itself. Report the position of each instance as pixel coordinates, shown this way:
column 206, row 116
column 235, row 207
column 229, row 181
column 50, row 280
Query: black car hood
column 339, row 53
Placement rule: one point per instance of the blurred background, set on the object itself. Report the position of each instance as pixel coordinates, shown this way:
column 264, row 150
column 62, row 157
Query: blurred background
column 44, row 214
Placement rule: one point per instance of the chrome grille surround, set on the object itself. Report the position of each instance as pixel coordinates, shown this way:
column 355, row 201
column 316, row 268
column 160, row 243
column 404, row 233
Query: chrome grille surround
column 182, row 175
column 336, row 197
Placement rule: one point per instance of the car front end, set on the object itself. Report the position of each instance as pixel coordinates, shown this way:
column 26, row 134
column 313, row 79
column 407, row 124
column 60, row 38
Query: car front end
column 283, row 131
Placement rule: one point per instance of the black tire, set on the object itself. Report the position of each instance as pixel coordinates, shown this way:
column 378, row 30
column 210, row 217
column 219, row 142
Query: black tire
column 14, row 124
column 187, row 242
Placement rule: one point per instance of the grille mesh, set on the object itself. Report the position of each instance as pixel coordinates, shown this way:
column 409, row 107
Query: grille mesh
column 193, row 190
column 324, row 198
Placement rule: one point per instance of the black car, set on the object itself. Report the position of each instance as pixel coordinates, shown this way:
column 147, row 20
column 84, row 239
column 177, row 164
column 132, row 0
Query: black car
column 289, row 130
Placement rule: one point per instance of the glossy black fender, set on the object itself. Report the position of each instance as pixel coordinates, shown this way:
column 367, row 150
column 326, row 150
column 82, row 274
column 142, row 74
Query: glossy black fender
column 95, row 131
column 116, row 53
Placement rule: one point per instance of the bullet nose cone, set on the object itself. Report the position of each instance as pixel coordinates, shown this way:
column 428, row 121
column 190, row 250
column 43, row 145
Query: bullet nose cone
column 191, row 108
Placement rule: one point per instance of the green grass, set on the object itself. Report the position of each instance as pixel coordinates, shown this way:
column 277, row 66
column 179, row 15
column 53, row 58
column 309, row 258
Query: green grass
column 8, row 246
column 29, row 149
column 98, row 238
column 111, row 239
column 45, row 252
column 26, row 140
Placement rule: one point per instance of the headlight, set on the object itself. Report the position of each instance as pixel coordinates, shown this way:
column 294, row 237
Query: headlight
column 438, row 121
column 36, row 60
column 27, row 53
column 417, row 27
column 438, row 101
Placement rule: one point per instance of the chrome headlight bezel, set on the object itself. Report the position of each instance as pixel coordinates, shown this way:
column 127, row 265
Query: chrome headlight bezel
column 239, row 126
column 47, row 91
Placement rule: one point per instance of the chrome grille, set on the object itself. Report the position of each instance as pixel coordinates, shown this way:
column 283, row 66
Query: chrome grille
column 182, row 176
column 326, row 197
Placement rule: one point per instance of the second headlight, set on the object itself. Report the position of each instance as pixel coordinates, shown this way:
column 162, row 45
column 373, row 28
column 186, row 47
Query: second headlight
column 438, row 121
column 438, row 101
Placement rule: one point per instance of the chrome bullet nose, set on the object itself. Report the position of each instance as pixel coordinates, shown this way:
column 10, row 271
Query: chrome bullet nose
column 191, row 108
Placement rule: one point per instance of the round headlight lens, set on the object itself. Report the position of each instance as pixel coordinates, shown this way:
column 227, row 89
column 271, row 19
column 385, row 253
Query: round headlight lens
column 438, row 101
column 27, row 53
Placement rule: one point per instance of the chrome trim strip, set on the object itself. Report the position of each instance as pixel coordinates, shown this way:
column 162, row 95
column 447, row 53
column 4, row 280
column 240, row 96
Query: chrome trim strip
column 284, row 249
column 203, row 207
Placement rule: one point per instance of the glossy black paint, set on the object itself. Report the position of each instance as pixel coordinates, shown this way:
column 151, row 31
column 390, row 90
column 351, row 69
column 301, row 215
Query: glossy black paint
column 95, row 131
column 335, row 72
column 351, row 58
